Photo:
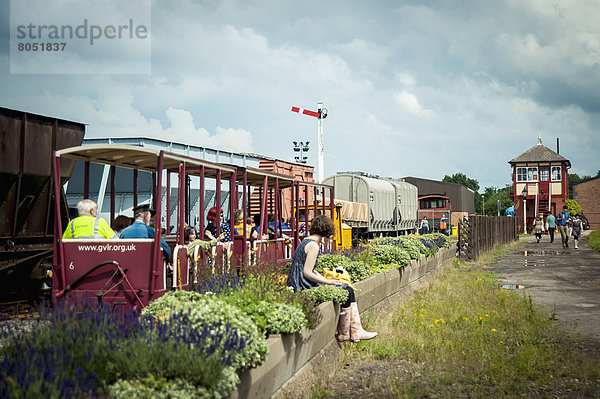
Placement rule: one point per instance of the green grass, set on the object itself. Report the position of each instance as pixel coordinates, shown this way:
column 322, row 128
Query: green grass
column 467, row 337
column 594, row 240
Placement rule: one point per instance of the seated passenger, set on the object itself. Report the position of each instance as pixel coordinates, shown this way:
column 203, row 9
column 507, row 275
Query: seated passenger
column 281, row 227
column 238, row 224
column 120, row 223
column 206, row 245
column 88, row 225
column 303, row 276
column 210, row 231
column 139, row 229
column 255, row 231
column 189, row 235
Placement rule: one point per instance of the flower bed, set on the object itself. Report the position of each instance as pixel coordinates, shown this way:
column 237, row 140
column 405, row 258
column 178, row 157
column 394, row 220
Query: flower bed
column 185, row 344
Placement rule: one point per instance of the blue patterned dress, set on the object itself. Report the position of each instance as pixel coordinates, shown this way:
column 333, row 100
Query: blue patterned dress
column 224, row 229
column 296, row 278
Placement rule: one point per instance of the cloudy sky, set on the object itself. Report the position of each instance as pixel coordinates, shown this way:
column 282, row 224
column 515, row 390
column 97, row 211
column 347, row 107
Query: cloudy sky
column 413, row 88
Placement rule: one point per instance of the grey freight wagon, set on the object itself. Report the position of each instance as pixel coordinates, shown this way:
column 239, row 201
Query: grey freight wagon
column 391, row 204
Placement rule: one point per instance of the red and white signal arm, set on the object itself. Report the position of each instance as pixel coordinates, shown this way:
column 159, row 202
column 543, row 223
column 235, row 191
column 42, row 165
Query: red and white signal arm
column 305, row 112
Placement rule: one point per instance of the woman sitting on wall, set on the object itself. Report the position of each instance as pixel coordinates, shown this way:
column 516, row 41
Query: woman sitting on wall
column 303, row 276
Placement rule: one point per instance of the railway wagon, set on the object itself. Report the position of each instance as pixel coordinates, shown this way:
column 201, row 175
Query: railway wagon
column 27, row 198
column 407, row 198
column 380, row 207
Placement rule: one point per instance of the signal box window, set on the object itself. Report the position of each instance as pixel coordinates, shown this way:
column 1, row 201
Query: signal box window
column 556, row 173
column 527, row 174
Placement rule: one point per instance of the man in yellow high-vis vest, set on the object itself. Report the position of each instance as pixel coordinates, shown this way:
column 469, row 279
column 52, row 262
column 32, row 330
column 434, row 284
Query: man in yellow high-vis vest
column 88, row 225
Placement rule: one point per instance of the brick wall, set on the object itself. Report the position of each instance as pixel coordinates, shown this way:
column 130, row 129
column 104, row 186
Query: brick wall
column 587, row 195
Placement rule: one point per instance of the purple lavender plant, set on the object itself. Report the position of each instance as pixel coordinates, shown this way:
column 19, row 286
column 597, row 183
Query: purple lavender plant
column 221, row 285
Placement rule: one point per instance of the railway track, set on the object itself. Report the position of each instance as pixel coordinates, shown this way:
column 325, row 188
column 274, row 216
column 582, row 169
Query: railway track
column 22, row 309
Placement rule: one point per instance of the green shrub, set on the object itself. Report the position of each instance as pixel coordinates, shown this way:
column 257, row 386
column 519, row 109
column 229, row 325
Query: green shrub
column 211, row 311
column 324, row 293
column 386, row 254
column 164, row 306
column 412, row 245
column 384, row 267
column 285, row 319
column 573, row 207
column 161, row 388
column 259, row 295
column 357, row 270
column 594, row 240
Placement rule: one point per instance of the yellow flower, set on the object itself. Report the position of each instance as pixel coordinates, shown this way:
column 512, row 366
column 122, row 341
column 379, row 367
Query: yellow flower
column 487, row 315
column 551, row 376
column 493, row 330
column 431, row 325
column 502, row 342
column 466, row 318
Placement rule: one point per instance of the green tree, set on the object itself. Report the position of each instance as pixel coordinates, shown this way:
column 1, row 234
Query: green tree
column 491, row 196
column 573, row 207
column 573, row 178
column 461, row 178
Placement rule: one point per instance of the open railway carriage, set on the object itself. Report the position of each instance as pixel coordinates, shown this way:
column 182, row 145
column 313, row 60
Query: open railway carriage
column 133, row 272
column 123, row 272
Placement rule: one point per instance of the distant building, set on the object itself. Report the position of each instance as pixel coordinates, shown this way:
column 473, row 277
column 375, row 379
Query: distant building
column 539, row 183
column 462, row 199
column 587, row 195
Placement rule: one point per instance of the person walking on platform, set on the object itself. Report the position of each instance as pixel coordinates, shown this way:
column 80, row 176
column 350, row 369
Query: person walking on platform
column 577, row 229
column 444, row 225
column 562, row 220
column 538, row 227
column 551, row 226
column 88, row 225
column 424, row 225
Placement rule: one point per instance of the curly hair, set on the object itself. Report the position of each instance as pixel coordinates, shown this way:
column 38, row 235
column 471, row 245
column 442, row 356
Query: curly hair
column 323, row 226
